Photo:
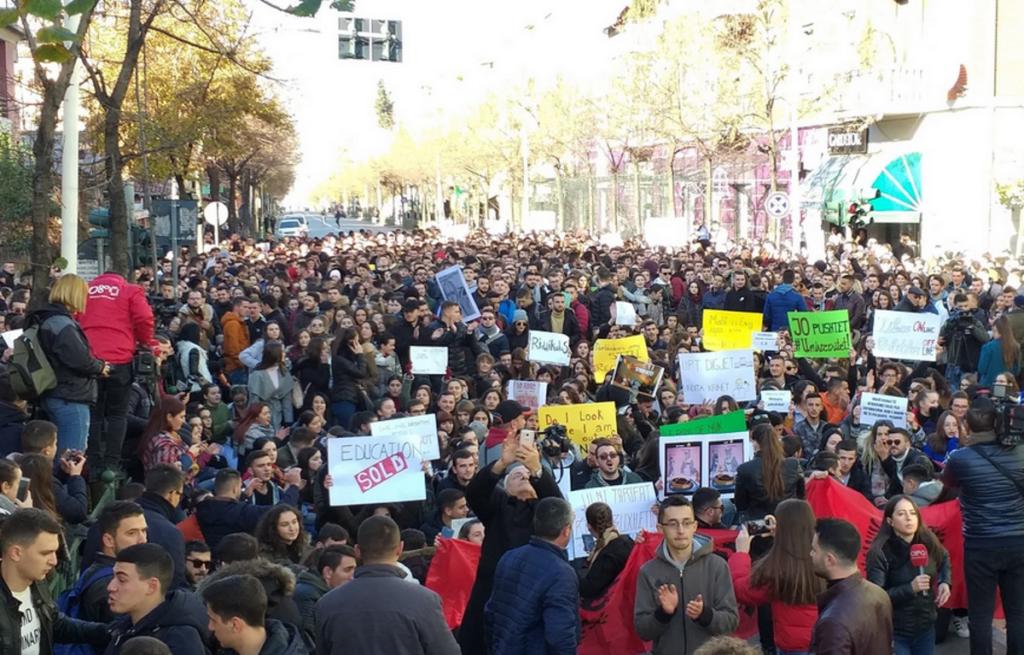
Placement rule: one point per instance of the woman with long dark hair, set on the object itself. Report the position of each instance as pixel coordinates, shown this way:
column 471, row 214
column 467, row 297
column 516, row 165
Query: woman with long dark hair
column 767, row 479
column 39, row 469
column 915, row 596
column 608, row 556
column 950, row 432
column 1000, row 354
column 255, row 423
column 313, row 370
column 783, row 577
column 351, row 373
column 281, row 535
column 160, row 442
column 271, row 383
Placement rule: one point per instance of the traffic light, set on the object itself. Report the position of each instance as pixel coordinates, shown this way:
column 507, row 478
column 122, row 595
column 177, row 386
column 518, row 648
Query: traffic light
column 860, row 212
column 100, row 217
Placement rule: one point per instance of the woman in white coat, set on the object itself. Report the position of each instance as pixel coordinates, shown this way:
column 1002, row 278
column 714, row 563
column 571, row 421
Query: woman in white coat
column 271, row 383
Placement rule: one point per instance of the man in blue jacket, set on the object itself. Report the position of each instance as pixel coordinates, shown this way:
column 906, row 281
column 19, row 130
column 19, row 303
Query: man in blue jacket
column 782, row 300
column 533, row 607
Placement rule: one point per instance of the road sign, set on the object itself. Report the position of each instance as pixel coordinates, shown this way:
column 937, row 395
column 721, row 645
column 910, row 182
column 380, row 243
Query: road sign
column 216, row 213
column 777, row 205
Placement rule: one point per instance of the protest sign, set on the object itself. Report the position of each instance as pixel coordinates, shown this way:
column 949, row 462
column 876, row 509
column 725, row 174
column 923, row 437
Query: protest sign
column 530, row 393
column 776, row 401
column 720, row 424
column 453, row 287
column 725, row 330
column 902, row 335
column 689, row 462
column 707, row 376
column 765, row 341
column 880, row 407
column 637, row 377
column 549, row 348
column 424, row 427
column 10, row 336
column 625, row 313
column 820, row 334
column 367, row 470
column 428, row 360
column 583, row 423
column 631, row 507
column 607, row 351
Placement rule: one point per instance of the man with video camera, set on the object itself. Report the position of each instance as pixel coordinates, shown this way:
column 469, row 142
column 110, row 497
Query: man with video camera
column 990, row 476
column 962, row 337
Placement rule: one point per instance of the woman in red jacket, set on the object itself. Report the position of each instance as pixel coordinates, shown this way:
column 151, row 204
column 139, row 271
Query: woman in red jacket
column 784, row 577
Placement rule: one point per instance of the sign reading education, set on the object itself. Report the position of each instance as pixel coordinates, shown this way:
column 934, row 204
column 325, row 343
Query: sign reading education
column 820, row 334
column 424, row 427
column 706, row 376
column 367, row 470
column 880, row 407
column 607, row 351
column 724, row 330
column 583, row 423
column 631, row 507
column 549, row 348
column 902, row 335
column 428, row 360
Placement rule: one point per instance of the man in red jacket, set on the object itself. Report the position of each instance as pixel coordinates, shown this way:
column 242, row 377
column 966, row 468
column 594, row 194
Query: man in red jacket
column 117, row 318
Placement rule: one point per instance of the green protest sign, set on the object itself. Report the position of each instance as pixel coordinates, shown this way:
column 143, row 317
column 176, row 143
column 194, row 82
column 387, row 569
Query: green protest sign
column 721, row 424
column 820, row 334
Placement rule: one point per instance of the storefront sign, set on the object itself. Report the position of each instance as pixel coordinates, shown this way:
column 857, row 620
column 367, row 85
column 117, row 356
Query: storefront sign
column 847, row 140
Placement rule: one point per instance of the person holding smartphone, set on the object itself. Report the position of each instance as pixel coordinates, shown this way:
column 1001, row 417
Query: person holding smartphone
column 14, row 489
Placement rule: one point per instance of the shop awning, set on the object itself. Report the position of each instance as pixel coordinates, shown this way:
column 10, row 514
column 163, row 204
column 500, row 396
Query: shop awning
column 843, row 179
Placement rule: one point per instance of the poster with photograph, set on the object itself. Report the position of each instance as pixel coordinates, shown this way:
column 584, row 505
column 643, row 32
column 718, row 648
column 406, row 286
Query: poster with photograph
column 636, row 377
column 453, row 287
column 682, row 464
column 725, row 456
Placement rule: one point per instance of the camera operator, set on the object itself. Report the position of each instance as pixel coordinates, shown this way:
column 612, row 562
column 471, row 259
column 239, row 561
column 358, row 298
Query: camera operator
column 990, row 475
column 117, row 320
column 962, row 337
column 165, row 306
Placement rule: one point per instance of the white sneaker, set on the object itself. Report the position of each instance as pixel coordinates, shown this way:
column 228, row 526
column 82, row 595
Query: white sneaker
column 960, row 625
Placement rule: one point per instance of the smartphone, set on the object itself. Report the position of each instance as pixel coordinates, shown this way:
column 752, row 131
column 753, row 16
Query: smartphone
column 23, row 488
column 527, row 437
column 759, row 527
column 999, row 391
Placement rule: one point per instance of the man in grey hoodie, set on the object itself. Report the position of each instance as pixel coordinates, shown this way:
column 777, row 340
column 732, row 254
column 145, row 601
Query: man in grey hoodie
column 684, row 596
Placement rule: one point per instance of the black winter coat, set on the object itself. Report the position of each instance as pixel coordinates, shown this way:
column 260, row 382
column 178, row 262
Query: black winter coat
column 219, row 517
column 914, row 456
column 282, row 639
column 350, row 372
column 595, row 579
column 278, row 582
column 67, row 348
column 888, row 566
column 601, row 307
column 744, row 300
column 162, row 525
column 992, row 506
column 462, row 345
column 180, row 622
column 313, row 375
column 751, row 498
column 12, row 423
column 53, row 626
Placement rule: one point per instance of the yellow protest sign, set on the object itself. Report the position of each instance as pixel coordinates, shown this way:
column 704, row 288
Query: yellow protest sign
column 606, row 351
column 730, row 330
column 583, row 423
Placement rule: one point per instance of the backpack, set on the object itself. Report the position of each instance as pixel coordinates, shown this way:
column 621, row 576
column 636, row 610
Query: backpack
column 31, row 372
column 70, row 605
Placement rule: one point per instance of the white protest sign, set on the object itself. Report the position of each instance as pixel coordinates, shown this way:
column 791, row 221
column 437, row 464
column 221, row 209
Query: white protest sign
column 625, row 313
column 630, row 504
column 10, row 336
column 368, row 470
column 424, row 427
column 904, row 335
column 549, row 348
column 776, row 401
column 689, row 462
column 428, row 360
column 706, row 376
column 530, row 393
column 453, row 287
column 880, row 407
column 765, row 341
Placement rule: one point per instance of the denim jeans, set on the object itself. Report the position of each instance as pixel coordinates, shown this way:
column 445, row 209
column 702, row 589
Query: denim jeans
column 984, row 569
column 342, row 412
column 72, row 421
column 922, row 643
column 109, row 419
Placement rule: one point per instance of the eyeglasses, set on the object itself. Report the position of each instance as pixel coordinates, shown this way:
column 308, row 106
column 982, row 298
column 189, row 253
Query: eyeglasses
column 893, row 442
column 520, row 323
column 201, row 563
column 679, row 525
column 608, row 456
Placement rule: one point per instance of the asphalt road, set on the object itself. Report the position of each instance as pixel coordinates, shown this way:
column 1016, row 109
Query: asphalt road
column 320, row 227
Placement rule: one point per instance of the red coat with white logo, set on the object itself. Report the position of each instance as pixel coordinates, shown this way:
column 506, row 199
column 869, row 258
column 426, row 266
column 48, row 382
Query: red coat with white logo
column 116, row 318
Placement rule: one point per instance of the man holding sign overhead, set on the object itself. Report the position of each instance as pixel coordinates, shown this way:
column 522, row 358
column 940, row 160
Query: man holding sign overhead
column 451, row 332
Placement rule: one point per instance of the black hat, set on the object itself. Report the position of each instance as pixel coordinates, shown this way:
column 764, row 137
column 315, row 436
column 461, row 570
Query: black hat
column 915, row 291
column 510, row 410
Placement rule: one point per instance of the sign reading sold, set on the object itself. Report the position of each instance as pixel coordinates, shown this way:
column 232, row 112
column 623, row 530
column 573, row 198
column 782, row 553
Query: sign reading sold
column 366, row 470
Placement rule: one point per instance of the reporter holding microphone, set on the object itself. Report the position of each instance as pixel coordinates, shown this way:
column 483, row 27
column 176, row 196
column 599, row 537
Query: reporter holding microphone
column 907, row 560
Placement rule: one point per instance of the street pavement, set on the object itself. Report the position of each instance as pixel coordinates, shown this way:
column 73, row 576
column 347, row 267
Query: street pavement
column 320, row 227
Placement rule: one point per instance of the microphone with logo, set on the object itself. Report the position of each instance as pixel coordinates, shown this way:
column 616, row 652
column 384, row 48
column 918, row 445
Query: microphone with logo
column 919, row 558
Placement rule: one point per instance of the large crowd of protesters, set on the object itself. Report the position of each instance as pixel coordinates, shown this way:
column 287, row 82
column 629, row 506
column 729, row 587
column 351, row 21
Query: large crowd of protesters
column 169, row 491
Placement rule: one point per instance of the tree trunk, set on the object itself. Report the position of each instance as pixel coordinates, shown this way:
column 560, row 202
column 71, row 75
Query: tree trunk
column 672, row 183
column 233, row 223
column 615, row 201
column 42, row 189
column 119, row 242
column 213, row 173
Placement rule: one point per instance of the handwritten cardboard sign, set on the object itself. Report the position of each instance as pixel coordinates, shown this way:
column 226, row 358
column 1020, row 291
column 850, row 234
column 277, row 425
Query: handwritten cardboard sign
column 903, row 335
column 725, row 330
column 367, row 470
column 820, row 334
column 424, row 427
column 707, row 376
column 765, row 341
column 631, row 507
column 428, row 360
column 607, row 351
column 583, row 422
column 549, row 348
column 625, row 313
column 776, row 401
column 880, row 407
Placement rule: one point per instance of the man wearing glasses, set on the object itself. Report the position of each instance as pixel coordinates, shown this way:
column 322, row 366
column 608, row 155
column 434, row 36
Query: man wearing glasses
column 901, row 455
column 609, row 471
column 684, row 596
column 198, row 562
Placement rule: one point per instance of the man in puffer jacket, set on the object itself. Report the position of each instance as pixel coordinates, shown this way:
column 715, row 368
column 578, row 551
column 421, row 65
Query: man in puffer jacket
column 684, row 596
column 116, row 320
column 237, row 606
column 782, row 300
column 450, row 331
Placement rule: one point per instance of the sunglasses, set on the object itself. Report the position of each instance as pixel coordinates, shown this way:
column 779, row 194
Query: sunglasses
column 201, row 563
column 893, row 442
column 608, row 456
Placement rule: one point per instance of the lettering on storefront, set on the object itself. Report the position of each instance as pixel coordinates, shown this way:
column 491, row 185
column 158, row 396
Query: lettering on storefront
column 847, row 140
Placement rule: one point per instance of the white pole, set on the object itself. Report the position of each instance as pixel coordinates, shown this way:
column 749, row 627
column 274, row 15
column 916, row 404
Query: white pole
column 794, row 130
column 69, row 168
column 526, row 177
